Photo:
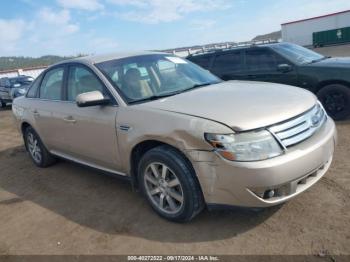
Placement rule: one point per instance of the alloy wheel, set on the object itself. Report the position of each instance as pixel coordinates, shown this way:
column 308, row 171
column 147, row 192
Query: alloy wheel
column 34, row 148
column 334, row 102
column 163, row 188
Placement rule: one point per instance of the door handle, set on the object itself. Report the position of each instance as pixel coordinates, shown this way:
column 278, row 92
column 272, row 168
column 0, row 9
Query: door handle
column 69, row 119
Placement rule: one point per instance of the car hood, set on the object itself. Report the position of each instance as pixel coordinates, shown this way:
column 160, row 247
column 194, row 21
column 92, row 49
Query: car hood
column 241, row 105
column 334, row 62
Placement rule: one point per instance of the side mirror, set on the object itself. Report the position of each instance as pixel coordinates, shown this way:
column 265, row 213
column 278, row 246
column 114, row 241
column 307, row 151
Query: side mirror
column 284, row 68
column 94, row 98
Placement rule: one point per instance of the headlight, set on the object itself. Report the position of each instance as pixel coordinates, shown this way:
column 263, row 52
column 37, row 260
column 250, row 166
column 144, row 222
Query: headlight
column 248, row 146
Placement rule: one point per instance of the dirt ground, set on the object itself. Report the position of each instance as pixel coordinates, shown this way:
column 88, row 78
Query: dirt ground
column 70, row 209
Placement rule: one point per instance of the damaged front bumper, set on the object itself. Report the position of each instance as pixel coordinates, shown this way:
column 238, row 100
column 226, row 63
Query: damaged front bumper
column 269, row 182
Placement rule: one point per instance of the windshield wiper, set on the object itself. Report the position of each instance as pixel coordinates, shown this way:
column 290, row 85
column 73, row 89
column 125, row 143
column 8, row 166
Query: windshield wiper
column 199, row 85
column 190, row 88
column 155, row 97
column 151, row 98
column 318, row 60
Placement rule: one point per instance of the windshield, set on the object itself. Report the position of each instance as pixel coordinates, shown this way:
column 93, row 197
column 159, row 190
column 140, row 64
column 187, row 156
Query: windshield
column 149, row 77
column 297, row 54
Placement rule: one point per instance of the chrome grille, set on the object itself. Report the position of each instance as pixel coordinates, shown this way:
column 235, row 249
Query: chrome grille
column 300, row 128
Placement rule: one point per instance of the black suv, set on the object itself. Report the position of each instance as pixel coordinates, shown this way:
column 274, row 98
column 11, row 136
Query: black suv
column 328, row 78
column 12, row 87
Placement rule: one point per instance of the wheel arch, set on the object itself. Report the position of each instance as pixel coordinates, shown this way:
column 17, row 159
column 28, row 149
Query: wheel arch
column 325, row 83
column 24, row 126
column 141, row 149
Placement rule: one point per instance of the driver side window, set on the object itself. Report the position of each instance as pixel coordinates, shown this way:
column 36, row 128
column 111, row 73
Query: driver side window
column 262, row 60
column 81, row 80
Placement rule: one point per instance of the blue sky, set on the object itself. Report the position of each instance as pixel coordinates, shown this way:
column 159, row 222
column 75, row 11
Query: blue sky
column 70, row 27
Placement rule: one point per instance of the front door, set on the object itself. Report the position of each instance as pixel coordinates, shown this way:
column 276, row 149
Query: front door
column 47, row 109
column 90, row 132
column 261, row 64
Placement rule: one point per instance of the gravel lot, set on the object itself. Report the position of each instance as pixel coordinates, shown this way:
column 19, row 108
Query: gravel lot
column 70, row 209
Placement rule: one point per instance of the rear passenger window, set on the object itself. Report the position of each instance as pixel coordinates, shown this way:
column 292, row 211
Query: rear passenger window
column 203, row 61
column 51, row 86
column 261, row 60
column 228, row 62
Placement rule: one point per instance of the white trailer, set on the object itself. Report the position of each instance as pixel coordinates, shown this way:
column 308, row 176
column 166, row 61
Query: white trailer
column 300, row 32
column 33, row 72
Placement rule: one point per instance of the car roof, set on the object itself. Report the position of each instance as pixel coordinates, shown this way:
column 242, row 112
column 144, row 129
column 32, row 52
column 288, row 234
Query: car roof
column 235, row 48
column 93, row 59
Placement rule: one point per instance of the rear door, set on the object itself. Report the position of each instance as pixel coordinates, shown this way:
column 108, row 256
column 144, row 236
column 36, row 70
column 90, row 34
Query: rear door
column 261, row 64
column 47, row 109
column 228, row 65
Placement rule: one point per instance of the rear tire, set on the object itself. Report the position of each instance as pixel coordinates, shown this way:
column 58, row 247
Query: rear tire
column 174, row 194
column 36, row 149
column 336, row 100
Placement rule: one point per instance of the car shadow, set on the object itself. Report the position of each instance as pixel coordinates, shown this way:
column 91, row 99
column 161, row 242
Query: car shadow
column 109, row 205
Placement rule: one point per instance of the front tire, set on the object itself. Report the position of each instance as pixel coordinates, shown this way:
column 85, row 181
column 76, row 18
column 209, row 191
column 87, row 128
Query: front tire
column 168, row 182
column 336, row 100
column 36, row 149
